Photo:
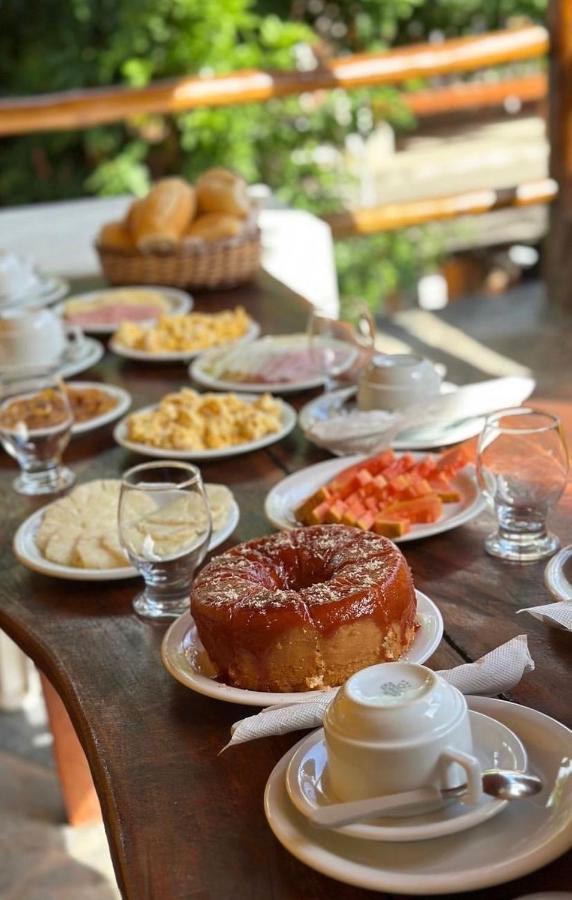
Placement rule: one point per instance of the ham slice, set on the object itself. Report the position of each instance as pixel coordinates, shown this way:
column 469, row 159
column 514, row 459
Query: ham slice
column 114, row 314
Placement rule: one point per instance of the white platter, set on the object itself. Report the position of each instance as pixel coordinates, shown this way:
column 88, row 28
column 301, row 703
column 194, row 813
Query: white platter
column 179, row 302
column 186, row 660
column 28, row 554
column 494, row 745
column 523, row 838
column 199, row 369
column 427, row 438
column 90, row 353
column 181, row 356
column 284, row 497
column 50, row 289
column 123, row 403
column 288, row 423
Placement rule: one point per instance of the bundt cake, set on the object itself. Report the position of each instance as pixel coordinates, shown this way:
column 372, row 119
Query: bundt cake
column 304, row 609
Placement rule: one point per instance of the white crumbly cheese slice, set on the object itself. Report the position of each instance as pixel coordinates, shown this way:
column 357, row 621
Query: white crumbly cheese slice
column 81, row 530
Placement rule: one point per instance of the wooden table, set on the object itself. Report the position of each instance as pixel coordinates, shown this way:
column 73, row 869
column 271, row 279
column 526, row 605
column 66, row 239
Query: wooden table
column 183, row 822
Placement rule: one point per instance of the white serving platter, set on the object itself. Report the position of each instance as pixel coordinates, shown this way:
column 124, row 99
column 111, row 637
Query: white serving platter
column 288, row 423
column 284, row 497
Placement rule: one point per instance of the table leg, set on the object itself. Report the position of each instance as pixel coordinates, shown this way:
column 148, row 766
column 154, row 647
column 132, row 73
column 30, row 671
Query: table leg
column 80, row 798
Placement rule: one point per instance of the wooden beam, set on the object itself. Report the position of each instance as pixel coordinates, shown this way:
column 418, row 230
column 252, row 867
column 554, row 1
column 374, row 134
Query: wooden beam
column 395, row 216
column 84, row 108
column 559, row 240
column 476, row 95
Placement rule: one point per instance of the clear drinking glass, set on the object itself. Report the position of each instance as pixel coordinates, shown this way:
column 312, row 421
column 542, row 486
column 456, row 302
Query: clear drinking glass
column 522, row 466
column 35, row 428
column 165, row 527
column 354, row 337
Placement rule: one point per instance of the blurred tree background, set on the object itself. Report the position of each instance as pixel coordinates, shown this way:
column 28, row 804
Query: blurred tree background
column 293, row 145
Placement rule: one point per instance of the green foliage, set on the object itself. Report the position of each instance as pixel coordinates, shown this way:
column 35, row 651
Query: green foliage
column 292, row 144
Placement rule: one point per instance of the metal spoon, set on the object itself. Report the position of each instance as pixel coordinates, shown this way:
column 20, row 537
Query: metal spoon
column 504, row 784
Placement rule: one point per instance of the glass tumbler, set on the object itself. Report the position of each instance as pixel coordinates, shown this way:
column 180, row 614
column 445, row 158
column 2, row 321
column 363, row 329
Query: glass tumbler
column 522, row 467
column 35, row 428
column 165, row 527
column 332, row 359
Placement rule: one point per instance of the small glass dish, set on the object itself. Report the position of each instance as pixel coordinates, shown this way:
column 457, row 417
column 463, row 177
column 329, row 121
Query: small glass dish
column 35, row 428
column 522, row 467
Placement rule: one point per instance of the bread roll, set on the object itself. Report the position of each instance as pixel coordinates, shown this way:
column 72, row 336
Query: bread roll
column 215, row 227
column 219, row 190
column 132, row 214
column 158, row 221
column 116, row 236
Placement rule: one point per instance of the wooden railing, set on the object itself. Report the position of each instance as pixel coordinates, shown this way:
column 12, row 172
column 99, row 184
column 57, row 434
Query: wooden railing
column 89, row 107
column 84, row 108
column 393, row 216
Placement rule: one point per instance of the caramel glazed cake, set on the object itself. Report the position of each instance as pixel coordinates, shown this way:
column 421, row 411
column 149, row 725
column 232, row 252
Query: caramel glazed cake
column 304, row 609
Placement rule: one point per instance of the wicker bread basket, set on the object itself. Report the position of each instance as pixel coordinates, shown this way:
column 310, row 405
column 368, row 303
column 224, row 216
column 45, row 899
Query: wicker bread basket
column 218, row 264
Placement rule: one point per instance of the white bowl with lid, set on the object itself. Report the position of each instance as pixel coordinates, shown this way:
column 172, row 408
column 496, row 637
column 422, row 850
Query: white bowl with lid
column 397, row 727
column 395, row 381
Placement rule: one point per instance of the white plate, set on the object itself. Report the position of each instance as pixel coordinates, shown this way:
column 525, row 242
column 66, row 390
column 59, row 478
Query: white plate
column 284, row 497
column 90, row 352
column 177, row 355
column 525, row 837
column 495, row 746
column 185, row 658
column 179, row 301
column 411, row 438
column 288, row 423
column 123, row 403
column 27, row 552
column 199, row 369
column 50, row 289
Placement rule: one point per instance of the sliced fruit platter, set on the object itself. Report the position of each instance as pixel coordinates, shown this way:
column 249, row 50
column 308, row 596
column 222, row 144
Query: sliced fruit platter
column 388, row 494
column 402, row 496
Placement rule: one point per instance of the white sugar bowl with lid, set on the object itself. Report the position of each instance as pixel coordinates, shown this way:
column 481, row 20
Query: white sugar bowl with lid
column 395, row 381
column 398, row 727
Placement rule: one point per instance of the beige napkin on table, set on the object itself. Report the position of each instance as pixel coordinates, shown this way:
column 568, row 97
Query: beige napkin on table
column 497, row 671
column 557, row 613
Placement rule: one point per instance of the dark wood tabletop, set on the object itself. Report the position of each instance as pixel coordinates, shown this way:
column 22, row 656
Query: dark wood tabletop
column 183, row 822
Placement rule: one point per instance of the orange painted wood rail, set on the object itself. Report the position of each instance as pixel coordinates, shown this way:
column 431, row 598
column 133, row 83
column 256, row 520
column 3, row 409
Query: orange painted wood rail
column 392, row 216
column 461, row 96
column 84, row 108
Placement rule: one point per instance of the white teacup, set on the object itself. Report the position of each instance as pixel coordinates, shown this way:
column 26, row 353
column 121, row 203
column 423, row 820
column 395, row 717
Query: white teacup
column 36, row 337
column 396, row 381
column 398, row 727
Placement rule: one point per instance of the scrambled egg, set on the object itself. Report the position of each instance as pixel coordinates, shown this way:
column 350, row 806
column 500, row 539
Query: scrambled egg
column 193, row 331
column 188, row 420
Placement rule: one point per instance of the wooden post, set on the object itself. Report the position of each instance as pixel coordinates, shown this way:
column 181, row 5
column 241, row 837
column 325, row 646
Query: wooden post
column 80, row 798
column 559, row 242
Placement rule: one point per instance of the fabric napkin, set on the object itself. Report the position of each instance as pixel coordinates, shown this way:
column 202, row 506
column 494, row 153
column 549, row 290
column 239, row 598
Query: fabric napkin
column 558, row 614
column 497, row 671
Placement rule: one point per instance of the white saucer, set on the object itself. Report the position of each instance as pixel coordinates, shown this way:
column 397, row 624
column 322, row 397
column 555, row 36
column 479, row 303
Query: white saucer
column 48, row 289
column 494, row 746
column 185, row 659
column 89, row 354
column 26, row 551
column 123, row 403
column 426, row 438
column 284, row 497
column 182, row 356
column 558, row 575
column 528, row 835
